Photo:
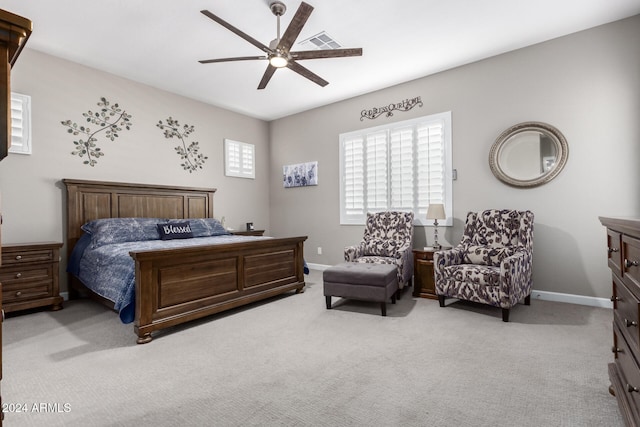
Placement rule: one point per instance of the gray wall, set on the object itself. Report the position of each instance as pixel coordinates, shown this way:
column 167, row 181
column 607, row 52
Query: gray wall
column 32, row 196
column 586, row 84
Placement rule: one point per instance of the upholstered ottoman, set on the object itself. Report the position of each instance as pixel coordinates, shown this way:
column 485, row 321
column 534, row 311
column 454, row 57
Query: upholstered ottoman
column 361, row 281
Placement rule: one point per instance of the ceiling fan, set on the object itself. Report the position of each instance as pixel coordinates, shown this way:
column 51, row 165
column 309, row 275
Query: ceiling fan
column 278, row 52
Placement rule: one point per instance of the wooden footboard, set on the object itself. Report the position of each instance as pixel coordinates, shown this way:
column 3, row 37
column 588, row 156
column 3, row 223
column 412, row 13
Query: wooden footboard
column 179, row 285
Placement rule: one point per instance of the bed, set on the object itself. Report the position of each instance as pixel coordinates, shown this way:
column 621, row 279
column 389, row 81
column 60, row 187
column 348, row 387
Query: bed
column 181, row 283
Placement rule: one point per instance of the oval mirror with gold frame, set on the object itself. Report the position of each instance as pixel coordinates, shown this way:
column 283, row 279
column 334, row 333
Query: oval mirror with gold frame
column 528, row 154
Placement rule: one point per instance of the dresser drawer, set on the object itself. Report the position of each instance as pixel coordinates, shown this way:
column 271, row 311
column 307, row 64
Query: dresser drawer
column 631, row 261
column 14, row 257
column 626, row 311
column 628, row 369
column 614, row 243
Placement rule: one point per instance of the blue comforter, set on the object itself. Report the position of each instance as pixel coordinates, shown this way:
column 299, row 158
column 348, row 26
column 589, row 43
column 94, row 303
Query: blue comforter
column 109, row 270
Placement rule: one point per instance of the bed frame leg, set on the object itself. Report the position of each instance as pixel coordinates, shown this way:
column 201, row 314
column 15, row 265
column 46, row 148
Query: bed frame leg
column 143, row 339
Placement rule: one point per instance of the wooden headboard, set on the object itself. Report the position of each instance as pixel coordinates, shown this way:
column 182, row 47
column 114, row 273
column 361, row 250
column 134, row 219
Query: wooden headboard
column 89, row 200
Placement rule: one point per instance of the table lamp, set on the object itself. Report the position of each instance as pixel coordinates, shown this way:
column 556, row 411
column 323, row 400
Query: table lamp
column 436, row 212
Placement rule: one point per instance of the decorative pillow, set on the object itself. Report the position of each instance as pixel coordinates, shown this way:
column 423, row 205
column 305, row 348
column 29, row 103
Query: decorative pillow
column 119, row 230
column 487, row 255
column 175, row 230
column 204, row 227
column 380, row 247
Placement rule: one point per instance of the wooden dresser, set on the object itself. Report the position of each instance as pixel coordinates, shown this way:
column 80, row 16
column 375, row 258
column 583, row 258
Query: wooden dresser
column 623, row 248
column 29, row 276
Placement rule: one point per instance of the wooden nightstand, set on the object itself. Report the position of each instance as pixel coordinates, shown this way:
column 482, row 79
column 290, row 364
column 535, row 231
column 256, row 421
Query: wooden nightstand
column 424, row 281
column 29, row 276
column 248, row 233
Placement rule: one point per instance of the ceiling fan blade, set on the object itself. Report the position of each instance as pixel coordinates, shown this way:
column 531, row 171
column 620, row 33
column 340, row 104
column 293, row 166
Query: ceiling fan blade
column 295, row 26
column 304, row 72
column 326, row 53
column 233, row 29
column 267, row 76
column 238, row 58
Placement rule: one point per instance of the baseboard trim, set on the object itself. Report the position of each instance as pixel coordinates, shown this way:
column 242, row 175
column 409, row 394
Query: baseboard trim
column 572, row 299
column 65, row 296
column 541, row 295
column 319, row 267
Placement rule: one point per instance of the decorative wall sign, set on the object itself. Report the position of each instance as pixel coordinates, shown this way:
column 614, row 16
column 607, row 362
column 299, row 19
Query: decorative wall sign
column 300, row 175
column 110, row 118
column 388, row 110
column 193, row 160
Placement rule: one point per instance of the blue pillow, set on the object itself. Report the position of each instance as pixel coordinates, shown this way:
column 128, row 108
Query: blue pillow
column 119, row 230
column 204, row 227
column 175, row 230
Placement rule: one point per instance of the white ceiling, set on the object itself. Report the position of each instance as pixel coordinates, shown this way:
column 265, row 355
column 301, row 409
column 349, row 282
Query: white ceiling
column 159, row 42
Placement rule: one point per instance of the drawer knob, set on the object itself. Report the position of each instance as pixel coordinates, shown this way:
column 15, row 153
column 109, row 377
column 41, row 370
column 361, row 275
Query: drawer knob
column 628, row 263
column 629, row 323
column 616, row 350
column 18, row 257
column 614, row 299
column 18, row 293
column 631, row 388
column 612, row 250
column 18, row 275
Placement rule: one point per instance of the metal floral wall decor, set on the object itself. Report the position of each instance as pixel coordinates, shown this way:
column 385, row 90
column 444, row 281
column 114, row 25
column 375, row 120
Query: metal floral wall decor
column 110, row 119
column 193, row 160
column 388, row 110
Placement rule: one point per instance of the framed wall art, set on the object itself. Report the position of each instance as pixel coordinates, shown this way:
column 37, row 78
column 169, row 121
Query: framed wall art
column 300, row 175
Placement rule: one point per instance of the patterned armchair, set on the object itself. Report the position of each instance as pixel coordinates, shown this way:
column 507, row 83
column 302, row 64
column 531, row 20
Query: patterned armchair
column 388, row 239
column 493, row 262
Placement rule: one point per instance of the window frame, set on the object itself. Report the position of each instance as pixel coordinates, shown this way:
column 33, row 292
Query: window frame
column 419, row 217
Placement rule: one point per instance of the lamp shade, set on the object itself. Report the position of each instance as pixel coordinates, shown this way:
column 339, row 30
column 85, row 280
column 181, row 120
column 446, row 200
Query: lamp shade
column 436, row 211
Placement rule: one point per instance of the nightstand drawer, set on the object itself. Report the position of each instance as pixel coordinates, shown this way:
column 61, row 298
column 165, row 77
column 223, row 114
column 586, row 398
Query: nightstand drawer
column 27, row 291
column 9, row 276
column 13, row 257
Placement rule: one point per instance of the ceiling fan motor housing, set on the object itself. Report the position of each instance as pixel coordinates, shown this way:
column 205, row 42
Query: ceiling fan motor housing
column 278, row 8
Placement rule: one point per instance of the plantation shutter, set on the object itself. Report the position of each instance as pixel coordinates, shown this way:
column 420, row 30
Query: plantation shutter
column 376, row 172
column 430, row 165
column 403, row 166
column 20, row 124
column 239, row 159
column 353, row 176
column 402, row 169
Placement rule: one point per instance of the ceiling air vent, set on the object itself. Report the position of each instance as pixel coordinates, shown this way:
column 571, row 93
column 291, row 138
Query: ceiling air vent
column 321, row 40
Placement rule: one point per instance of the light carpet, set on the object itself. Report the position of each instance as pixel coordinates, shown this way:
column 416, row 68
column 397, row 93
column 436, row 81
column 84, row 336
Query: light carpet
column 291, row 362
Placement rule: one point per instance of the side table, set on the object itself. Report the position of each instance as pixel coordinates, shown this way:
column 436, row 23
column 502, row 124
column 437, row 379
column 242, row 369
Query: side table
column 424, row 280
column 29, row 276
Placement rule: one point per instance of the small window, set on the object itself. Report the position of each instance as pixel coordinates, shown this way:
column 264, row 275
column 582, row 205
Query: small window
column 239, row 159
column 20, row 124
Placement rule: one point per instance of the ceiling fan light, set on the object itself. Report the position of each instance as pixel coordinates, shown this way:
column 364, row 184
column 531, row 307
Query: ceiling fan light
column 278, row 61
